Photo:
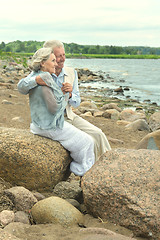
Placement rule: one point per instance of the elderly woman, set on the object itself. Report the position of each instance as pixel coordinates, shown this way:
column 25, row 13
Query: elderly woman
column 47, row 106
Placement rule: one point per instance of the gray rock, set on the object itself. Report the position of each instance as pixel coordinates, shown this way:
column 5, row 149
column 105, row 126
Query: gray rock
column 154, row 121
column 39, row 196
column 56, row 210
column 86, row 114
column 6, row 217
column 111, row 113
column 32, row 161
column 111, row 106
column 75, row 203
column 139, row 124
column 5, row 202
column 21, row 197
column 88, row 105
column 98, row 113
column 131, row 116
column 123, row 186
column 150, row 141
column 152, row 144
column 22, row 217
column 68, row 190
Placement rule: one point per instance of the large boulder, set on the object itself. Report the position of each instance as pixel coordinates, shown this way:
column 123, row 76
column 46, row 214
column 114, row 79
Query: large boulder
column 154, row 121
column 150, row 141
column 123, row 186
column 94, row 233
column 32, row 161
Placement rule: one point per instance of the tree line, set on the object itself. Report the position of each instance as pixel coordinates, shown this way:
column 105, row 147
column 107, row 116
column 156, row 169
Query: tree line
column 73, row 48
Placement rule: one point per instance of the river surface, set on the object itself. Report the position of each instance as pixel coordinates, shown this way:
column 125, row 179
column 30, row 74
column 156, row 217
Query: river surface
column 141, row 76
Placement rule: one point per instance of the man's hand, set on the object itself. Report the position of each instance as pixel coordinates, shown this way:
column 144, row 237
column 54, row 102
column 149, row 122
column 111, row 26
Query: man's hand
column 39, row 81
column 67, row 87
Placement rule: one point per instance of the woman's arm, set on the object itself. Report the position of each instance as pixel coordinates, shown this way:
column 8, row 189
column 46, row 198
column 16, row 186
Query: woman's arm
column 50, row 99
column 27, row 83
column 30, row 82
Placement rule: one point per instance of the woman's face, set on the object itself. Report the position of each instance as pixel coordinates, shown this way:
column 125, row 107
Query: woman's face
column 49, row 65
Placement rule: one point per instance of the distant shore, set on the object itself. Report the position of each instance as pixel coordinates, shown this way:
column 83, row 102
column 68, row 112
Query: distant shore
column 84, row 56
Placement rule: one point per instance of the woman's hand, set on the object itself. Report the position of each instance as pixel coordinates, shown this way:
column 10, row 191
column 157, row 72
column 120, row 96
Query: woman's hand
column 39, row 81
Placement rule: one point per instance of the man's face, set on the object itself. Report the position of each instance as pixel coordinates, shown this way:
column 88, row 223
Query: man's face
column 60, row 57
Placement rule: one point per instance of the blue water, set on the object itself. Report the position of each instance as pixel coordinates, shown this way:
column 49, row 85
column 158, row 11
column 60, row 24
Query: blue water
column 142, row 76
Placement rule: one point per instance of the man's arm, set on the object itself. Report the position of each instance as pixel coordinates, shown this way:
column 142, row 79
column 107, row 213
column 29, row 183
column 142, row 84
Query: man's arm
column 74, row 95
column 29, row 82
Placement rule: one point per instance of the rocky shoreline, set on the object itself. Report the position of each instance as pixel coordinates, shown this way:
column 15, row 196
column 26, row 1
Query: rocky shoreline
column 116, row 200
column 121, row 92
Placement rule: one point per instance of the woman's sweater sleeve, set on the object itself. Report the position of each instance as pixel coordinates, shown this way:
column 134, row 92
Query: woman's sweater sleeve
column 50, row 99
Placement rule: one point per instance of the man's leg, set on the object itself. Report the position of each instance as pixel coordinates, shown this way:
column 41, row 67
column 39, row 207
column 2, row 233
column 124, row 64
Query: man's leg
column 100, row 140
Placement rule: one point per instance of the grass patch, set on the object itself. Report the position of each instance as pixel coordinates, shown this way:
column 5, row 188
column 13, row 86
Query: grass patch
column 120, row 56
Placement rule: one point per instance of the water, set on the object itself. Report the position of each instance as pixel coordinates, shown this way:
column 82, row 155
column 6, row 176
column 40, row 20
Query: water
column 142, row 76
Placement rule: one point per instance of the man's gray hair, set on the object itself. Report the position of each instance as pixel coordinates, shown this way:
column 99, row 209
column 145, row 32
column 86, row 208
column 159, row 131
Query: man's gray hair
column 53, row 44
column 40, row 55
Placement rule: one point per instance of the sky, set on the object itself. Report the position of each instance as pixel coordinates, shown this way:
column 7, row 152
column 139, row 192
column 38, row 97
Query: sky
column 87, row 22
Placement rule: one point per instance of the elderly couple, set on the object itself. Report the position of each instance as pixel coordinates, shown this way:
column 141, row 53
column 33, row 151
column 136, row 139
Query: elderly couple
column 53, row 91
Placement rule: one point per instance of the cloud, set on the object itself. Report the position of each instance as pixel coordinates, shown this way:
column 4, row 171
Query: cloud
column 117, row 22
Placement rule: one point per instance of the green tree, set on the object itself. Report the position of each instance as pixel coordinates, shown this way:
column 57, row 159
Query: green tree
column 115, row 50
column 67, row 49
column 97, row 48
column 8, row 49
column 104, row 50
column 92, row 50
column 2, row 45
column 31, row 48
column 74, row 48
column 20, row 47
column 85, row 50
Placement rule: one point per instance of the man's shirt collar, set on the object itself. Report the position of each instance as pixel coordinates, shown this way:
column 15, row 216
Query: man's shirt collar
column 62, row 73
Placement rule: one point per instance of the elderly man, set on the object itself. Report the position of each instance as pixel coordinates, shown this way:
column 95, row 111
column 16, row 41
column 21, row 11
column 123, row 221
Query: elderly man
column 67, row 79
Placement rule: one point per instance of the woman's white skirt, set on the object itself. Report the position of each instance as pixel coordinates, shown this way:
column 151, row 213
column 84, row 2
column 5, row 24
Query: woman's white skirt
column 78, row 143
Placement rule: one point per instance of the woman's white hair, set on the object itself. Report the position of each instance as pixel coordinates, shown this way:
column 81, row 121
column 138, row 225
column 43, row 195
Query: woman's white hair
column 53, row 44
column 40, row 55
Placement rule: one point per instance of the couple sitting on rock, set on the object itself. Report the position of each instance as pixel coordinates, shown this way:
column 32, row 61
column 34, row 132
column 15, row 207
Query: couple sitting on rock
column 53, row 91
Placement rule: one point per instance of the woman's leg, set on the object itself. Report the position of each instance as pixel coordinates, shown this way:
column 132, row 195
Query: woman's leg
column 78, row 143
